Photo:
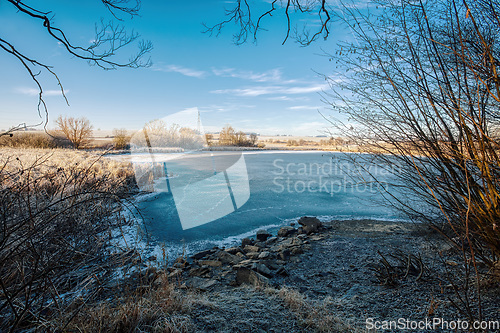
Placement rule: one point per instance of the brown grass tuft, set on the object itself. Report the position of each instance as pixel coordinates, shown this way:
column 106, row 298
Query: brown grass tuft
column 314, row 315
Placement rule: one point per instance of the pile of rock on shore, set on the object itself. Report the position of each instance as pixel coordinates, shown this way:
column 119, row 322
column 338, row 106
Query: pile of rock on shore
column 256, row 262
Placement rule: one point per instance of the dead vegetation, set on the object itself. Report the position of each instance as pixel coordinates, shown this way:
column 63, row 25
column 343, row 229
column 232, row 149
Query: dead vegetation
column 399, row 266
column 34, row 140
column 59, row 217
column 145, row 302
column 313, row 315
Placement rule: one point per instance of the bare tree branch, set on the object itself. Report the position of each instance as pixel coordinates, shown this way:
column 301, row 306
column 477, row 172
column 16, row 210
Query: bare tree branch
column 241, row 16
column 109, row 39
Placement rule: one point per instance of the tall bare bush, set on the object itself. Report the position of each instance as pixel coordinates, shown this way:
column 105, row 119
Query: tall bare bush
column 58, row 223
column 76, row 130
column 121, row 139
column 421, row 86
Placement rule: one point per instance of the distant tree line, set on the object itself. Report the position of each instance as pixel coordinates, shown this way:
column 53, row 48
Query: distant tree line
column 158, row 134
column 229, row 137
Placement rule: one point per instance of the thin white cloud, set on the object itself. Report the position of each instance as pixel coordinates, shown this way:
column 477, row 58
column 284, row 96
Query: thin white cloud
column 274, row 75
column 272, row 90
column 181, row 70
column 35, row 92
column 287, row 98
column 226, row 107
column 304, row 107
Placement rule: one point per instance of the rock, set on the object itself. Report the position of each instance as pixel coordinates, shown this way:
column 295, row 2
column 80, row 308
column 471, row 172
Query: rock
column 251, row 248
column 247, row 276
column 200, row 284
column 247, row 262
column 233, row 250
column 225, row 273
column 262, row 235
column 264, row 255
column 284, row 254
column 262, row 269
column 211, row 263
column 296, row 250
column 199, row 271
column 253, row 255
column 175, row 274
column 246, row 241
column 291, row 242
column 286, row 231
column 241, row 255
column 227, row 258
column 202, row 254
column 299, row 279
column 309, row 224
column 282, row 271
column 275, row 248
column 271, row 264
column 271, row 240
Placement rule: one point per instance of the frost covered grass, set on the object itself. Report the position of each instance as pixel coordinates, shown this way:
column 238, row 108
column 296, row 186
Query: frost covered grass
column 59, row 212
column 147, row 302
column 64, row 159
column 311, row 314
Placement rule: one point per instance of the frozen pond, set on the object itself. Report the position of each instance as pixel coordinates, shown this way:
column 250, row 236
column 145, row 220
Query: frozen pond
column 283, row 186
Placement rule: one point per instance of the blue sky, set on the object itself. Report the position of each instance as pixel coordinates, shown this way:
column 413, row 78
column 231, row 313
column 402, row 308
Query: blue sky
column 262, row 87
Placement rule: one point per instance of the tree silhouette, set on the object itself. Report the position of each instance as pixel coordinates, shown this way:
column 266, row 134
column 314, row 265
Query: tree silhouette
column 110, row 38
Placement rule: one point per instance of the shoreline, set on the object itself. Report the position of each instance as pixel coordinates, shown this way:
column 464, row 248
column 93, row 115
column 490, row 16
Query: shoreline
column 156, row 247
column 323, row 279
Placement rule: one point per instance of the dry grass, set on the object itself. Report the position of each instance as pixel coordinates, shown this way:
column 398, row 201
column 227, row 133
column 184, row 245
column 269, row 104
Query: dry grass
column 57, row 159
column 33, row 140
column 154, row 306
column 314, row 315
column 59, row 211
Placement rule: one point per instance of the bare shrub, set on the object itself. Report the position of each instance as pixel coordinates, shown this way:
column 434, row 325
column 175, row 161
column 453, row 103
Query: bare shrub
column 210, row 139
column 28, row 140
column 76, row 130
column 57, row 232
column 253, row 139
column 121, row 139
column 158, row 134
column 424, row 89
column 227, row 136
